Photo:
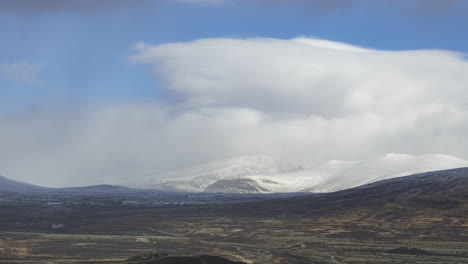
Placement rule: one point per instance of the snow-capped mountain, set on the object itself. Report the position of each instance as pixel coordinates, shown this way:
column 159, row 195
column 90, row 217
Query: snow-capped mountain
column 197, row 179
column 384, row 167
column 261, row 174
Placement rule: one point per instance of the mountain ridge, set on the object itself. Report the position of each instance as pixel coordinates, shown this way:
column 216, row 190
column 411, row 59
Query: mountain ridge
column 263, row 174
column 14, row 186
column 10, row 185
column 443, row 191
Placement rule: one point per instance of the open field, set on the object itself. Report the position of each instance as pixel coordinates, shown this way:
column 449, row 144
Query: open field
column 279, row 246
column 117, row 236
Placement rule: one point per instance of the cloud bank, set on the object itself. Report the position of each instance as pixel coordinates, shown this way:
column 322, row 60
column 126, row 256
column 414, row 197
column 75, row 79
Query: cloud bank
column 301, row 99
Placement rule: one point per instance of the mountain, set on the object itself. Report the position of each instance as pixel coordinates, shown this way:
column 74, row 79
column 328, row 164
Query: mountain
column 428, row 196
column 261, row 174
column 199, row 178
column 343, row 176
column 103, row 188
column 8, row 185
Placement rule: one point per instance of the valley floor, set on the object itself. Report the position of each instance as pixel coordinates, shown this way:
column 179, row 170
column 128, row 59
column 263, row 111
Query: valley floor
column 260, row 241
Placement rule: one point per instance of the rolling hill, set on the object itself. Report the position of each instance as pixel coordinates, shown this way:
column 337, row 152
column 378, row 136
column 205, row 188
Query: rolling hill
column 9, row 185
column 432, row 194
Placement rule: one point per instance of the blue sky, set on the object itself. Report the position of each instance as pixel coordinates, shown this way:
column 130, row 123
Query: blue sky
column 82, row 53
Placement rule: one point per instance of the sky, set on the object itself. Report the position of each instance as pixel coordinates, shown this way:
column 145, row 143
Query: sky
column 98, row 91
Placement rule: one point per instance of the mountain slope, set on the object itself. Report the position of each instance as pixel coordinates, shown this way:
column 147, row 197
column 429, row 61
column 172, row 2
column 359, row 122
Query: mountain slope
column 430, row 206
column 260, row 174
column 384, row 167
column 197, row 179
column 104, row 188
column 8, row 185
column 438, row 191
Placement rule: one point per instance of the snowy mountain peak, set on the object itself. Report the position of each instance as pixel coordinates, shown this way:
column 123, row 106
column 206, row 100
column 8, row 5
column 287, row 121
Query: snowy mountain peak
column 198, row 178
column 264, row 174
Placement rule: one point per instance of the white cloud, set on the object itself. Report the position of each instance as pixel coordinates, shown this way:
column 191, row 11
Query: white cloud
column 301, row 99
column 308, row 76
